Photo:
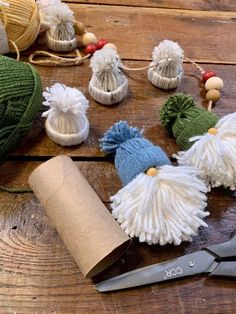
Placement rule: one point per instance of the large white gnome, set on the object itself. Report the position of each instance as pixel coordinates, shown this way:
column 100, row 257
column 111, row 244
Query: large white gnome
column 159, row 203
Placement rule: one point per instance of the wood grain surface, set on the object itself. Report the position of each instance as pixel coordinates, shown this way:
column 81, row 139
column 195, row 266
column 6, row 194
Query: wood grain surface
column 210, row 5
column 201, row 34
column 140, row 107
column 37, row 274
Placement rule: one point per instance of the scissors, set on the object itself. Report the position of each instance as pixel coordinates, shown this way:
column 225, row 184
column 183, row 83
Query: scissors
column 215, row 260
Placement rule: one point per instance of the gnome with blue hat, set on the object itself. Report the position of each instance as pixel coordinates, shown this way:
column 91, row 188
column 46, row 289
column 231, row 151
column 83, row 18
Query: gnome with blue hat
column 159, row 203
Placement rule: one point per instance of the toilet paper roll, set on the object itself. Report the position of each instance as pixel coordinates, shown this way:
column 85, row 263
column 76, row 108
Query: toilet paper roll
column 88, row 230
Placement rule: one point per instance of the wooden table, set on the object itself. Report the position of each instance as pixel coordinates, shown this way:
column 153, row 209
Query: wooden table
column 37, row 274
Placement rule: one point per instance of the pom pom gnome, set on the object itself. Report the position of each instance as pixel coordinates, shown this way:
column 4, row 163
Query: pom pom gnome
column 159, row 203
column 211, row 142
column 58, row 18
column 66, row 122
column 108, row 84
column 166, row 69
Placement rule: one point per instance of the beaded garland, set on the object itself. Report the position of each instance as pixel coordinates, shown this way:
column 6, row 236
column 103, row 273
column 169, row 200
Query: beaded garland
column 212, row 83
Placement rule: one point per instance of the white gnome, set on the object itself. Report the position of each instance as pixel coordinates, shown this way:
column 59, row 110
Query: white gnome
column 108, row 84
column 159, row 203
column 166, row 69
column 66, row 122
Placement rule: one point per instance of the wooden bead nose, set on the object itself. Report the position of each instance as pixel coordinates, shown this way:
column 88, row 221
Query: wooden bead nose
column 152, row 172
column 212, row 131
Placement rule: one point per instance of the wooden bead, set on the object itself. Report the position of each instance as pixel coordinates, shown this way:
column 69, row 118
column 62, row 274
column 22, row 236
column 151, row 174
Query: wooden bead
column 213, row 95
column 207, row 74
column 110, row 45
column 79, row 28
column 89, row 38
column 90, row 49
column 214, row 82
column 152, row 172
column 212, row 131
column 101, row 43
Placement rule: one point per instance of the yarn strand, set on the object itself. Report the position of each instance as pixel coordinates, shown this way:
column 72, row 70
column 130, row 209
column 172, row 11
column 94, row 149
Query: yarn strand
column 14, row 190
column 195, row 64
column 150, row 66
column 52, row 59
column 16, row 49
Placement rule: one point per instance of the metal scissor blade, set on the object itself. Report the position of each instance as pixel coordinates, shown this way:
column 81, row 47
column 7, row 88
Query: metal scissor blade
column 187, row 265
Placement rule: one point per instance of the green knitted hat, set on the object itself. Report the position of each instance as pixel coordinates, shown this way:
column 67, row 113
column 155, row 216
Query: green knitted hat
column 180, row 116
column 20, row 101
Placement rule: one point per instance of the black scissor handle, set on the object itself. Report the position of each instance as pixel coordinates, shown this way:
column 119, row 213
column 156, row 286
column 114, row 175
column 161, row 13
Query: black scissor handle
column 226, row 249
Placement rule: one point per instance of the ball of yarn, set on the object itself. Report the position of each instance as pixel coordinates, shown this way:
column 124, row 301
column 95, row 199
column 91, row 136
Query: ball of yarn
column 20, row 101
column 180, row 116
column 21, row 21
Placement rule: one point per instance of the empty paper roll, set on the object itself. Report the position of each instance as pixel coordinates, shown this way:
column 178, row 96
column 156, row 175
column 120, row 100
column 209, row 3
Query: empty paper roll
column 88, row 230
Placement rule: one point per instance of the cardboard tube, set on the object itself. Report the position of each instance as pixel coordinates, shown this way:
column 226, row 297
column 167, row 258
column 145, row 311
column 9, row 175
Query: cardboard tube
column 88, row 230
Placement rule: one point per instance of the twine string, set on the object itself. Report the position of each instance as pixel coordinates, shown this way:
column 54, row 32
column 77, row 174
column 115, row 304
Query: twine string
column 15, row 190
column 150, row 66
column 195, row 64
column 50, row 59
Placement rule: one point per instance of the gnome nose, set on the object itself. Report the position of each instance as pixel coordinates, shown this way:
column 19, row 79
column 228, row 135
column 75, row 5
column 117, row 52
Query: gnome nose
column 212, row 131
column 152, row 172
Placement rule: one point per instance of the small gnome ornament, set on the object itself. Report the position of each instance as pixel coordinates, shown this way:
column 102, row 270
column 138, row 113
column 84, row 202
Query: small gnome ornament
column 210, row 142
column 166, row 69
column 45, row 6
column 159, row 203
column 58, row 18
column 108, row 84
column 66, row 122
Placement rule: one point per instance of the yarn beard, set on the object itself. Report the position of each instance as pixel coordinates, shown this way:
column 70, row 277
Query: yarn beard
column 165, row 208
column 210, row 143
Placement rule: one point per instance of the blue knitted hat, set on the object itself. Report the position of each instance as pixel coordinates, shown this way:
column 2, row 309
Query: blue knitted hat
column 133, row 153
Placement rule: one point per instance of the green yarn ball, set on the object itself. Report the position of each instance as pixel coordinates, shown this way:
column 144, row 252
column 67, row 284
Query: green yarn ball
column 180, row 116
column 20, row 101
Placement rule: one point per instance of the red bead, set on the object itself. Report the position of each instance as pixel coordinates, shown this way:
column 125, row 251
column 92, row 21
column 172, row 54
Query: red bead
column 207, row 74
column 101, row 43
column 90, row 49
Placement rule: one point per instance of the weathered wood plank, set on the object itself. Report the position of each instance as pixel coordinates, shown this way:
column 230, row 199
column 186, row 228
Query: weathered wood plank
column 39, row 276
column 140, row 108
column 16, row 174
column 217, row 5
column 204, row 35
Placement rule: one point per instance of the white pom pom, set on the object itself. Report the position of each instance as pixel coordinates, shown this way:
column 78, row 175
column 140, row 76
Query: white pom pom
column 166, row 208
column 214, row 154
column 167, row 63
column 59, row 19
column 108, row 84
column 45, row 7
column 169, row 57
column 66, row 123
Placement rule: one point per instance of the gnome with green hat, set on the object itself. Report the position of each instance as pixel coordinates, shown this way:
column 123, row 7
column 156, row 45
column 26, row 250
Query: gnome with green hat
column 210, row 142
